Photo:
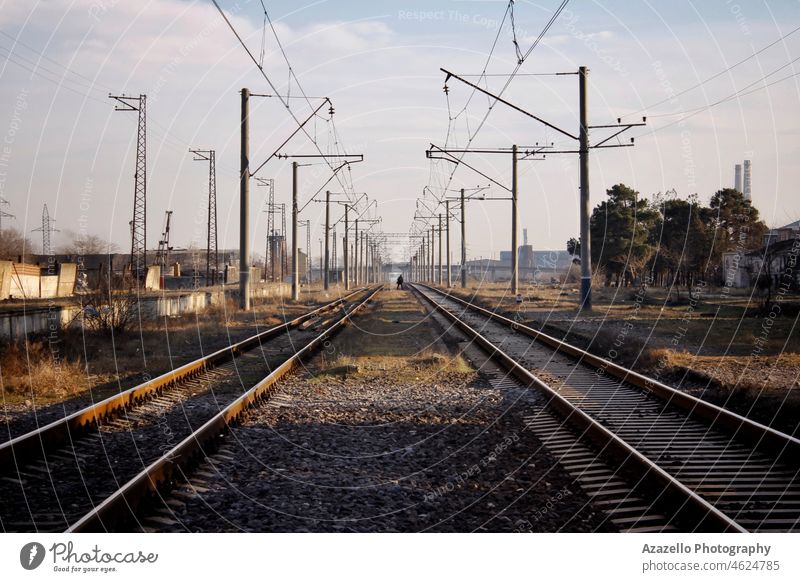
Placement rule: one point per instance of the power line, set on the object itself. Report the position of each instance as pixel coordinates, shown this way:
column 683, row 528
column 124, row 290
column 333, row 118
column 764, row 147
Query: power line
column 697, row 112
column 283, row 99
column 736, row 93
column 507, row 83
column 716, row 75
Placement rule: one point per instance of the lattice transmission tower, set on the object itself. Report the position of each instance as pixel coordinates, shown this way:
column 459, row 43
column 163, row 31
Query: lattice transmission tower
column 269, row 254
column 46, row 229
column 139, row 223
column 212, row 250
column 3, row 213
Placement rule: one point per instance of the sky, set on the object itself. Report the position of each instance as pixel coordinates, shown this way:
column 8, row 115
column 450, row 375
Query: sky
column 379, row 62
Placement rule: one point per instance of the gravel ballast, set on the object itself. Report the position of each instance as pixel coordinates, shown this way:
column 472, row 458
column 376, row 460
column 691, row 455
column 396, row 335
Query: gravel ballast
column 383, row 431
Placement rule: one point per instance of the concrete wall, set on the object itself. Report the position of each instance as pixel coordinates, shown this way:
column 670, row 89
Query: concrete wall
column 17, row 324
column 48, row 286
column 23, row 281
column 24, row 286
column 67, row 274
column 5, row 279
column 196, row 301
column 152, row 281
column 231, row 274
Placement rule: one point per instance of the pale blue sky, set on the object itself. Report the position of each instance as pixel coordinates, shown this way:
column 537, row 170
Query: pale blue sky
column 379, row 62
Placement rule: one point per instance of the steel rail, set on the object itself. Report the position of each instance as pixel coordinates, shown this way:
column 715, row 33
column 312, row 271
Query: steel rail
column 35, row 443
column 686, row 505
column 120, row 506
column 781, row 445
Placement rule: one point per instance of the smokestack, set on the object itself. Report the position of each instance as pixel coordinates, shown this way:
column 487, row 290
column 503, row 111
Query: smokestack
column 737, row 181
column 747, row 180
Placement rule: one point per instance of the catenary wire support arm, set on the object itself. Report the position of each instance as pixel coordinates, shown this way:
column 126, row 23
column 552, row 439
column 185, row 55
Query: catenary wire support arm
column 296, row 209
column 294, row 133
column 507, row 103
column 430, row 154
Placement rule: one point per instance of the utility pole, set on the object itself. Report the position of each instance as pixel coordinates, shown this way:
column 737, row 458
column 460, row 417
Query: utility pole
column 307, row 266
column 326, row 278
column 361, row 260
column 284, row 245
column 421, row 253
column 440, row 250
column 244, row 205
column 449, row 267
column 212, row 251
column 583, row 150
column 139, row 223
column 333, row 272
column 365, row 257
column 331, row 261
column 586, row 255
column 355, row 257
column 346, row 248
column 463, row 241
column 426, row 257
column 368, row 260
column 432, row 246
column 308, row 251
column 295, row 286
column 514, row 229
column 352, row 269
column 296, row 209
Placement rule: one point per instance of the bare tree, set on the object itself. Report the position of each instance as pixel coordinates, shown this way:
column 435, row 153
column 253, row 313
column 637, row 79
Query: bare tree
column 13, row 244
column 87, row 244
column 106, row 310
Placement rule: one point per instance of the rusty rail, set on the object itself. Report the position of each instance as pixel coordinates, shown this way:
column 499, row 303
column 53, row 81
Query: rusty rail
column 35, row 443
column 781, row 445
column 175, row 463
column 685, row 504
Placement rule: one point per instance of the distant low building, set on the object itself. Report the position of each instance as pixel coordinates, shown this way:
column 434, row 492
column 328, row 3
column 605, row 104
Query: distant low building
column 539, row 266
column 781, row 249
column 787, row 232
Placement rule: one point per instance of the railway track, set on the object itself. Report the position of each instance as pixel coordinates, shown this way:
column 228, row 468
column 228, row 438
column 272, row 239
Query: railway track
column 91, row 469
column 699, row 466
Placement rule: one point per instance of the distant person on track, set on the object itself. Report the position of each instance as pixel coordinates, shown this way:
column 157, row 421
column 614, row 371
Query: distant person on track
column 400, row 282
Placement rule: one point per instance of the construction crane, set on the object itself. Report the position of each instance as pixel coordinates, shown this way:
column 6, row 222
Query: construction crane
column 162, row 255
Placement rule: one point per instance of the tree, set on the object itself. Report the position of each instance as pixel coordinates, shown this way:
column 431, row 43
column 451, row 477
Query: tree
column 620, row 230
column 737, row 221
column 574, row 246
column 106, row 310
column 87, row 244
column 735, row 224
column 682, row 242
column 13, row 244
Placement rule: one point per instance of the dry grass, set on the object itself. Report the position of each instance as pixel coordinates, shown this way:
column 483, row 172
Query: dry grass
column 32, row 370
column 717, row 348
column 106, row 363
column 422, row 368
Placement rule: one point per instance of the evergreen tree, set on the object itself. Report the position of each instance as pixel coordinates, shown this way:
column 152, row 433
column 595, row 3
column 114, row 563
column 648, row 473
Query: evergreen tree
column 620, row 230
